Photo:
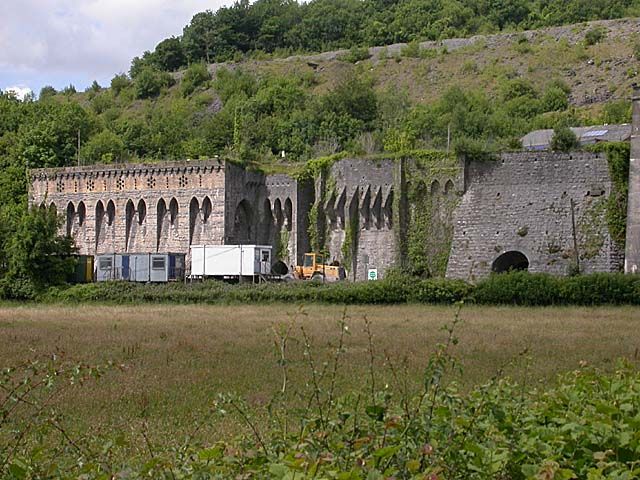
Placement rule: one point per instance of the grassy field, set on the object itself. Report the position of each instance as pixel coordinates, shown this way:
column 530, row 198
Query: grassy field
column 175, row 360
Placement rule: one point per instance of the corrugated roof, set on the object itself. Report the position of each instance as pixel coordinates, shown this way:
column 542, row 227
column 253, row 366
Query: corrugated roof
column 541, row 139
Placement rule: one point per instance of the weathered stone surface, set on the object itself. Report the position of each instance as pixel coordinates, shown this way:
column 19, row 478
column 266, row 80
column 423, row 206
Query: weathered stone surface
column 367, row 213
column 632, row 248
column 522, row 202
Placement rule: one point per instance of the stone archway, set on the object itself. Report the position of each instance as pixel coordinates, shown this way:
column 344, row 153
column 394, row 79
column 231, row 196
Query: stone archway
column 510, row 261
column 243, row 228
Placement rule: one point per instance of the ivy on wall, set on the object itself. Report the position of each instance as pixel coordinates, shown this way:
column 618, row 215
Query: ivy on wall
column 430, row 226
column 618, row 155
column 422, row 220
column 590, row 228
column 282, row 252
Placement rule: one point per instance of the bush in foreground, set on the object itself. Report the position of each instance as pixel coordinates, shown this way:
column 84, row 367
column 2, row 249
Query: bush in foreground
column 522, row 288
column 516, row 288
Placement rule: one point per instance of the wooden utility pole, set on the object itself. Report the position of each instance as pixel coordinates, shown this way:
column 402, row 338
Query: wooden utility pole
column 575, row 236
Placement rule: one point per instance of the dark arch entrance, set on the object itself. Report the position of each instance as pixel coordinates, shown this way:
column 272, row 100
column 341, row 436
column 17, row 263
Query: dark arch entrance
column 510, row 261
column 280, row 268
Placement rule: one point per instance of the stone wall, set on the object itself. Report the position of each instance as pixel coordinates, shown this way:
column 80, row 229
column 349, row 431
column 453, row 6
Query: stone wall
column 430, row 215
column 431, row 193
column 136, row 208
column 632, row 248
column 358, row 215
column 522, row 202
column 168, row 207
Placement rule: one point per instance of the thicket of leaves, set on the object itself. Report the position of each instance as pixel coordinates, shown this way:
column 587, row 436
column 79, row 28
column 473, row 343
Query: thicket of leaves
column 254, row 119
column 516, row 288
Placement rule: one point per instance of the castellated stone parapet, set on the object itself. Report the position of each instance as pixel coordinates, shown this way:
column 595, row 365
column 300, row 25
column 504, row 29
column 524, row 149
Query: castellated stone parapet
column 137, row 208
column 166, row 207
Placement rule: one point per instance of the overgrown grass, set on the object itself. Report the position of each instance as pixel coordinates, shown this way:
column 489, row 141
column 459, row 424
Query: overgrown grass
column 275, row 392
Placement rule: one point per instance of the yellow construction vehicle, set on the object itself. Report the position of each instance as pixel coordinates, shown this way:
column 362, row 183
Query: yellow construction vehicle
column 314, row 268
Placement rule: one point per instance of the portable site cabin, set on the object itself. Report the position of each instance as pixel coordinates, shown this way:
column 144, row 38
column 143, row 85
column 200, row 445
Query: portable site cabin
column 109, row 267
column 83, row 272
column 140, row 267
column 230, row 261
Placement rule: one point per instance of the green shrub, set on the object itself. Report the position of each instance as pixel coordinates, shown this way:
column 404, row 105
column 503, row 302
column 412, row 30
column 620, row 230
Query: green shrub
column 119, row 83
column 411, row 50
column 600, row 289
column 594, row 35
column 149, row 81
column 356, row 54
column 196, row 75
column 564, row 140
column 515, row 288
column 518, row 288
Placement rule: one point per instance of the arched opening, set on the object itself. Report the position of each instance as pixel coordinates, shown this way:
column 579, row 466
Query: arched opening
column 82, row 214
column 71, row 213
column 288, row 212
column 435, row 187
column 142, row 211
column 388, row 210
column 340, row 215
column 99, row 210
column 53, row 208
column 277, row 212
column 243, row 223
column 173, row 211
column 376, row 209
column 351, row 248
column 330, row 211
column 510, row 262
column 99, row 221
column 267, row 223
column 111, row 212
column 280, row 268
column 448, row 187
column 365, row 210
column 206, row 209
column 161, row 211
column 194, row 211
column 130, row 212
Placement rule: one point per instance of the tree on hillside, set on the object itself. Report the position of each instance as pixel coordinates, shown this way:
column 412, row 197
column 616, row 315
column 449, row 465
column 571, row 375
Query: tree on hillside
column 196, row 75
column 149, row 81
column 47, row 91
column 104, row 147
column 169, row 55
column 564, row 140
column 51, row 138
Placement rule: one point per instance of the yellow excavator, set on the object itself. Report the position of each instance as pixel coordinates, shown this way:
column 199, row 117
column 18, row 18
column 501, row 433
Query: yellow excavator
column 314, row 268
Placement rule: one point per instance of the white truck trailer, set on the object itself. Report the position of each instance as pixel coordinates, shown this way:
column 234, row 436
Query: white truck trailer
column 231, row 262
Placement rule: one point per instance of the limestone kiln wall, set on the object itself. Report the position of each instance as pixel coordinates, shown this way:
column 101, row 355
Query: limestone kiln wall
column 430, row 215
column 523, row 203
column 136, row 208
column 357, row 215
